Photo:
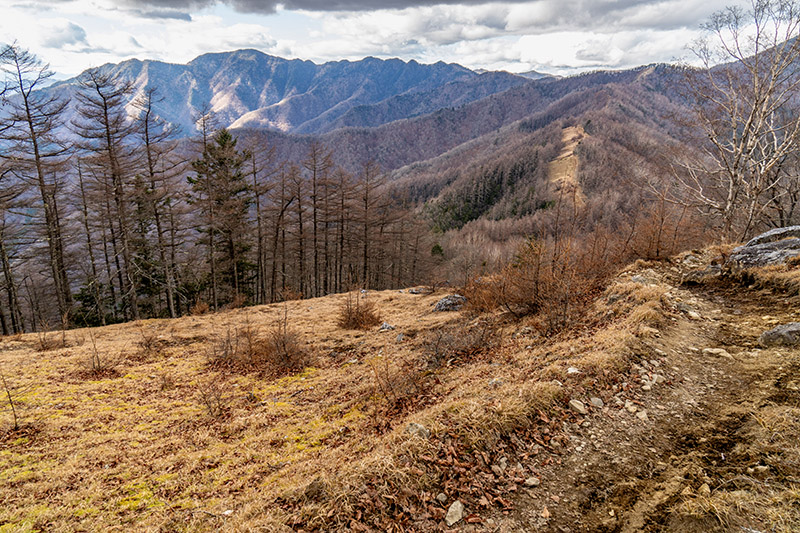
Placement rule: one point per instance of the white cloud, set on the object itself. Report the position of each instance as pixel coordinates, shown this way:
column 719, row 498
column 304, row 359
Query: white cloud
column 560, row 36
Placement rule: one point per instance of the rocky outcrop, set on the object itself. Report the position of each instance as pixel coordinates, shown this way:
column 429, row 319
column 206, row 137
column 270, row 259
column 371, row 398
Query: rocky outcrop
column 770, row 248
column 783, row 335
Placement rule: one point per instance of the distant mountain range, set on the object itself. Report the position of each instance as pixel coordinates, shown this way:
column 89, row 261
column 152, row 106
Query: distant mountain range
column 471, row 144
column 250, row 89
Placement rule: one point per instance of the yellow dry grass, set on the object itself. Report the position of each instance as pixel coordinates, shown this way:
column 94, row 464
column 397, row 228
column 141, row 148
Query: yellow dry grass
column 138, row 449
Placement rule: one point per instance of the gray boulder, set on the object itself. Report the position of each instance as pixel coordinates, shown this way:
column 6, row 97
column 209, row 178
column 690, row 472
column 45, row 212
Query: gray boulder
column 453, row 302
column 774, row 235
column 764, row 253
column 783, row 335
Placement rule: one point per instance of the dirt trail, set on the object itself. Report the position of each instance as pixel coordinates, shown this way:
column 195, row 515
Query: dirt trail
column 710, row 446
column 563, row 170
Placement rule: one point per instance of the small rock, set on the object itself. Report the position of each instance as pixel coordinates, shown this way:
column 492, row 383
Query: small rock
column 227, row 512
column 532, row 481
column 761, row 469
column 441, row 497
column 647, row 386
column 717, row 352
column 418, row 430
column 573, row 370
column 642, row 415
column 497, row 470
column 630, row 407
column 784, row 335
column 400, row 337
column 454, row 514
column 386, row 327
column 597, row 402
column 704, row 490
column 647, row 331
column 658, row 379
column 694, row 315
column 578, row 407
column 495, row 382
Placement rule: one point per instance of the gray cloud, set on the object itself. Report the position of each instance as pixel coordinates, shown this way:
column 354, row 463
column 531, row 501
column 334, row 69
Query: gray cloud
column 269, row 6
column 67, row 34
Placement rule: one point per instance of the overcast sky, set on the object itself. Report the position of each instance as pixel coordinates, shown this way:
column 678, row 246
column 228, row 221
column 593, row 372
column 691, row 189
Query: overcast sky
column 554, row 36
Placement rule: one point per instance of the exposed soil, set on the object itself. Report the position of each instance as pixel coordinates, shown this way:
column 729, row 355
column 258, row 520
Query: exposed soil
column 708, row 455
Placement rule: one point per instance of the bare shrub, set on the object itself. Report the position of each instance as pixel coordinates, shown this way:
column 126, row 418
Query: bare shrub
column 245, row 348
column 401, row 385
column 460, row 342
column 357, row 313
column 238, row 301
column 98, row 365
column 199, row 308
column 148, row 343
column 482, row 296
column 285, row 350
column 213, row 398
column 288, row 295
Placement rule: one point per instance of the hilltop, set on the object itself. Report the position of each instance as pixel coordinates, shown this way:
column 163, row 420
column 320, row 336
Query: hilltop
column 659, row 411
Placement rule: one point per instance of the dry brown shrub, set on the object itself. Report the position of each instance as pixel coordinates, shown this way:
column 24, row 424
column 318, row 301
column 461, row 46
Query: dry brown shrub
column 238, row 301
column 402, row 385
column 281, row 350
column 458, row 342
column 288, row 295
column 482, row 295
column 199, row 308
column 664, row 229
column 357, row 313
column 556, row 280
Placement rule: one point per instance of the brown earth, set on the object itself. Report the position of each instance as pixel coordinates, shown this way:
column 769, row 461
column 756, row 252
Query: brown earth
column 718, row 449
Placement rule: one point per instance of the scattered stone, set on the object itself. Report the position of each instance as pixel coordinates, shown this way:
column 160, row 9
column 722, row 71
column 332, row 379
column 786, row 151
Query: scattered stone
column 694, row 315
column 640, row 279
column 783, row 335
column 717, row 352
column 454, row 514
column 630, row 407
column 573, row 370
column 692, row 260
column 227, row 512
column 453, row 302
column 642, row 415
column 416, row 290
column 497, row 470
column 658, row 379
column 418, row 430
column 578, row 407
column 400, row 337
column 704, row 490
column 532, row 481
column 597, row 402
column 386, row 327
column 441, row 498
column 647, row 386
column 352, row 362
column 761, row 469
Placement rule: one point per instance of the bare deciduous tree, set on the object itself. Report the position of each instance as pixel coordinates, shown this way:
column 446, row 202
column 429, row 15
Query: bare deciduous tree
column 744, row 101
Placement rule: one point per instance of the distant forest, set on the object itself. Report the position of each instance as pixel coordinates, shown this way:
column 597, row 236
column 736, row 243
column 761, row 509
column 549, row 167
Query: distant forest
column 105, row 219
